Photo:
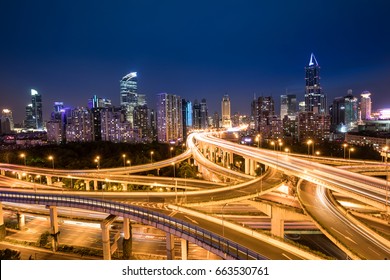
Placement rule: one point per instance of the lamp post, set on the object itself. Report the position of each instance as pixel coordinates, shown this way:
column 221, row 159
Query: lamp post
column 280, row 146
column 318, row 153
column 273, row 144
column 309, row 142
column 52, row 161
column 124, row 160
column 151, row 156
column 345, row 146
column 258, row 140
column 386, row 148
column 349, row 153
column 97, row 160
column 23, row 156
column 171, row 149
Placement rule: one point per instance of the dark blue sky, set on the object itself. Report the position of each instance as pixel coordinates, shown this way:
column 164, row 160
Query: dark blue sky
column 70, row 50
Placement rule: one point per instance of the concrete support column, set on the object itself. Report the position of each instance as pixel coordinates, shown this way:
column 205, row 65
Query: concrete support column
column 127, row 239
column 223, row 159
column 3, row 172
column 86, row 182
column 2, row 225
column 170, row 246
column 230, row 158
column 124, row 187
column 247, row 167
column 49, row 181
column 54, row 227
column 105, row 226
column 253, row 168
column 21, row 220
column 95, row 185
column 184, row 249
column 277, row 222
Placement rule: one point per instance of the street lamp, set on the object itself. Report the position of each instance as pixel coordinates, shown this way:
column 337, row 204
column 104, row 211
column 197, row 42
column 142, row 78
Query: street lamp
column 97, row 160
column 280, row 146
column 124, row 160
column 24, row 158
column 258, row 140
column 287, row 150
column 345, row 146
column 52, row 161
column 171, row 149
column 309, row 142
column 151, row 156
column 273, row 144
column 318, row 153
column 349, row 153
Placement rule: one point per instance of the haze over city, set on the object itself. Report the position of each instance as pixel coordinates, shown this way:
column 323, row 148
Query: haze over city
column 69, row 51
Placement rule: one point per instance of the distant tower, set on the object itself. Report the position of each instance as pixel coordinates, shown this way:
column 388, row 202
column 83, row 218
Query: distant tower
column 204, row 117
column 129, row 95
column 315, row 100
column 169, row 118
column 288, row 105
column 7, row 121
column 33, row 119
column 225, row 105
column 365, row 105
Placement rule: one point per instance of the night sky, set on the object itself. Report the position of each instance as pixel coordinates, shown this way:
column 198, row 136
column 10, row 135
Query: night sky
column 70, row 50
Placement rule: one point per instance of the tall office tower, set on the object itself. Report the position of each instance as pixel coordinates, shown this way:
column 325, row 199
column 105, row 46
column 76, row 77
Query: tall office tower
column 129, row 95
column 141, row 123
column 186, row 116
column 196, row 119
column 33, row 119
column 98, row 102
column 315, row 99
column 216, row 120
column 288, row 106
column 225, row 106
column 265, row 110
column 36, row 101
column 365, row 105
column 253, row 120
column 337, row 112
column 351, row 110
column 204, row 118
column 7, row 121
column 79, row 127
column 169, row 118
column 153, row 124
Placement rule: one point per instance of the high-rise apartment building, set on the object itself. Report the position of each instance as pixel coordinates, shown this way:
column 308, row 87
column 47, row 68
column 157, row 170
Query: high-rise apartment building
column 186, row 116
column 225, row 109
column 196, row 119
column 169, row 118
column 365, row 105
column 204, row 115
column 315, row 99
column 129, row 95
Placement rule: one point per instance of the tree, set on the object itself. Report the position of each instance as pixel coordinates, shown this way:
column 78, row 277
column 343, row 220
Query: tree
column 8, row 254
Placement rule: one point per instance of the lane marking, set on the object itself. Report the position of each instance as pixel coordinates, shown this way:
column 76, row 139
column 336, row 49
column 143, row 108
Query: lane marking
column 373, row 251
column 192, row 220
column 286, row 256
column 346, row 237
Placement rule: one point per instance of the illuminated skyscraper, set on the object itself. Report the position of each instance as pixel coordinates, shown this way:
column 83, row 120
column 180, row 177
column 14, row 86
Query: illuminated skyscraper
column 33, row 119
column 7, row 121
column 288, row 105
column 365, row 105
column 315, row 99
column 169, row 118
column 225, row 105
column 129, row 95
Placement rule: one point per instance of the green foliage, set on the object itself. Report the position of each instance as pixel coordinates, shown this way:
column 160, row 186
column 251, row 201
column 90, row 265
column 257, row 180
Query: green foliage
column 43, row 239
column 8, row 254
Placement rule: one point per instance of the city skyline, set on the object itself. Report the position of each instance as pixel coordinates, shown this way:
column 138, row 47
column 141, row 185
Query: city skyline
column 70, row 52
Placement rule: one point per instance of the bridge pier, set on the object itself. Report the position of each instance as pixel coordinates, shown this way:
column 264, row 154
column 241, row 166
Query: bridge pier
column 49, row 180
column 95, row 185
column 184, row 249
column 105, row 226
column 21, row 220
column 277, row 222
column 2, row 225
column 247, row 165
column 3, row 172
column 170, row 246
column 54, row 227
column 87, row 187
column 127, row 239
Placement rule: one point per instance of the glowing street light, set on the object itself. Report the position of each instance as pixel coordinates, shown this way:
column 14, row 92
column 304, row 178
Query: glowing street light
column 97, row 160
column 309, row 142
column 124, row 160
column 171, row 149
column 23, row 156
column 258, row 140
column 345, row 145
column 273, row 144
column 151, row 156
column 349, row 152
column 52, row 161
column 318, row 153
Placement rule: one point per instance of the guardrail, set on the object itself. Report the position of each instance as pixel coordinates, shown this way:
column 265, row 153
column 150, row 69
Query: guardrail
column 217, row 244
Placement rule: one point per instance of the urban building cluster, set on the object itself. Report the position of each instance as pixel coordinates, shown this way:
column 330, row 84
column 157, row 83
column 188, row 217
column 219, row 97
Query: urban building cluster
column 348, row 118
